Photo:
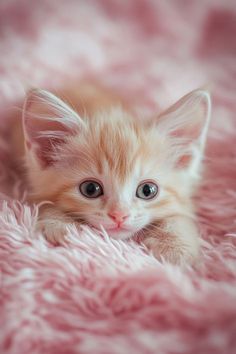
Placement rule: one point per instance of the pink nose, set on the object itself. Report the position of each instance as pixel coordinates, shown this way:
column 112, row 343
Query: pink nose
column 118, row 216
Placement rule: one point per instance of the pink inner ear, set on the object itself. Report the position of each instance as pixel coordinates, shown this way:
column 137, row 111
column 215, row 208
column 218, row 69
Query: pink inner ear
column 187, row 121
column 184, row 161
column 46, row 149
column 43, row 147
column 42, row 127
column 187, row 117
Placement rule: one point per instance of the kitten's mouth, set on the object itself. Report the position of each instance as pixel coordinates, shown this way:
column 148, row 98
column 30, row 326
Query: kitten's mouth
column 118, row 228
column 117, row 231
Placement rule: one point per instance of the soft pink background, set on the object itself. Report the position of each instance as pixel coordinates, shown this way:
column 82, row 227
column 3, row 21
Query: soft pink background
column 96, row 295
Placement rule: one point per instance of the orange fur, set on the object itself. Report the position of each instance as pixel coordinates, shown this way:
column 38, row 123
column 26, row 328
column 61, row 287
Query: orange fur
column 104, row 142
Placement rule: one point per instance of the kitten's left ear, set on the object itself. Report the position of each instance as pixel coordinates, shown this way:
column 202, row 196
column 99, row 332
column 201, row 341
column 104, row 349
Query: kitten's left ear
column 47, row 122
column 187, row 123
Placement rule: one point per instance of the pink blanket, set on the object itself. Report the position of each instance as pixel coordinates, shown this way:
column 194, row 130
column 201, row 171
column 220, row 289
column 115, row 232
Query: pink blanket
column 96, row 295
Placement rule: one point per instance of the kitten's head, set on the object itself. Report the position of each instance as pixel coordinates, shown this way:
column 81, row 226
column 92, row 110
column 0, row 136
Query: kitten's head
column 112, row 170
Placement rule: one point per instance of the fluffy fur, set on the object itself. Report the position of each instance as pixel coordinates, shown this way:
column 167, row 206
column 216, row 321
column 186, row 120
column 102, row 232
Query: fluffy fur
column 96, row 294
column 109, row 146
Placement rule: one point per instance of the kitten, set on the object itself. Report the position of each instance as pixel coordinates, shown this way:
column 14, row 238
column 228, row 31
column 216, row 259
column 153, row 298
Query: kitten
column 100, row 165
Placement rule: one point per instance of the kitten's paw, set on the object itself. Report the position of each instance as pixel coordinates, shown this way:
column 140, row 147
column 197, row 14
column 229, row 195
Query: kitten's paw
column 172, row 251
column 54, row 232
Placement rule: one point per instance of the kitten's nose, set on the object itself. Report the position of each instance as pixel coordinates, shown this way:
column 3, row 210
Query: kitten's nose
column 118, row 216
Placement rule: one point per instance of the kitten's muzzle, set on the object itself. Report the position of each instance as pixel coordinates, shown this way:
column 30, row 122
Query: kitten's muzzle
column 118, row 217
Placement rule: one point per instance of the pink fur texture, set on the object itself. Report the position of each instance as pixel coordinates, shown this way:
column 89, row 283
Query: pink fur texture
column 94, row 294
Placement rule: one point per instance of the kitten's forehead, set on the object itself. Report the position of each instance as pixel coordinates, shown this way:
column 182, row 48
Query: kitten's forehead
column 120, row 147
column 114, row 145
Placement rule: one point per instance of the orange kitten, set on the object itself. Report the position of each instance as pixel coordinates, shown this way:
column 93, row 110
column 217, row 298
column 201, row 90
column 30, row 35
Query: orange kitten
column 99, row 165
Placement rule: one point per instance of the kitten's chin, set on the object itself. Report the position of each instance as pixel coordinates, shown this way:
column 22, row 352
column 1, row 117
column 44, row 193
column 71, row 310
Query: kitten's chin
column 119, row 234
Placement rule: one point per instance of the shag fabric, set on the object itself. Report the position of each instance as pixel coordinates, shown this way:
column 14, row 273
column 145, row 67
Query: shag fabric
column 93, row 294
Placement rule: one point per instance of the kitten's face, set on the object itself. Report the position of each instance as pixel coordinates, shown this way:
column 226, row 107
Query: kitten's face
column 111, row 171
column 113, row 175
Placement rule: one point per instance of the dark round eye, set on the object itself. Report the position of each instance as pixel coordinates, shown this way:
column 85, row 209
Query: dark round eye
column 147, row 190
column 91, row 189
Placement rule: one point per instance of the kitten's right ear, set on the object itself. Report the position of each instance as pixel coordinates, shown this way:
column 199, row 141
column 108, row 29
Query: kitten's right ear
column 47, row 121
column 187, row 122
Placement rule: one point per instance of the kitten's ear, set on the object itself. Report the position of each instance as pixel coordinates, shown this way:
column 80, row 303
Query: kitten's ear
column 187, row 122
column 47, row 121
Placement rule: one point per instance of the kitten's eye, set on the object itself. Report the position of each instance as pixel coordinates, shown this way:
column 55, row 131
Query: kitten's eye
column 147, row 190
column 91, row 189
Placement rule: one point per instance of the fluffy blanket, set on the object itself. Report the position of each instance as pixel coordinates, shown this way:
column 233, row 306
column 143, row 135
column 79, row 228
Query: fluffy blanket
column 96, row 295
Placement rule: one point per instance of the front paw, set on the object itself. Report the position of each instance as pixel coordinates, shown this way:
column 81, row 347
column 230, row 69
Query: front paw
column 55, row 232
column 172, row 250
